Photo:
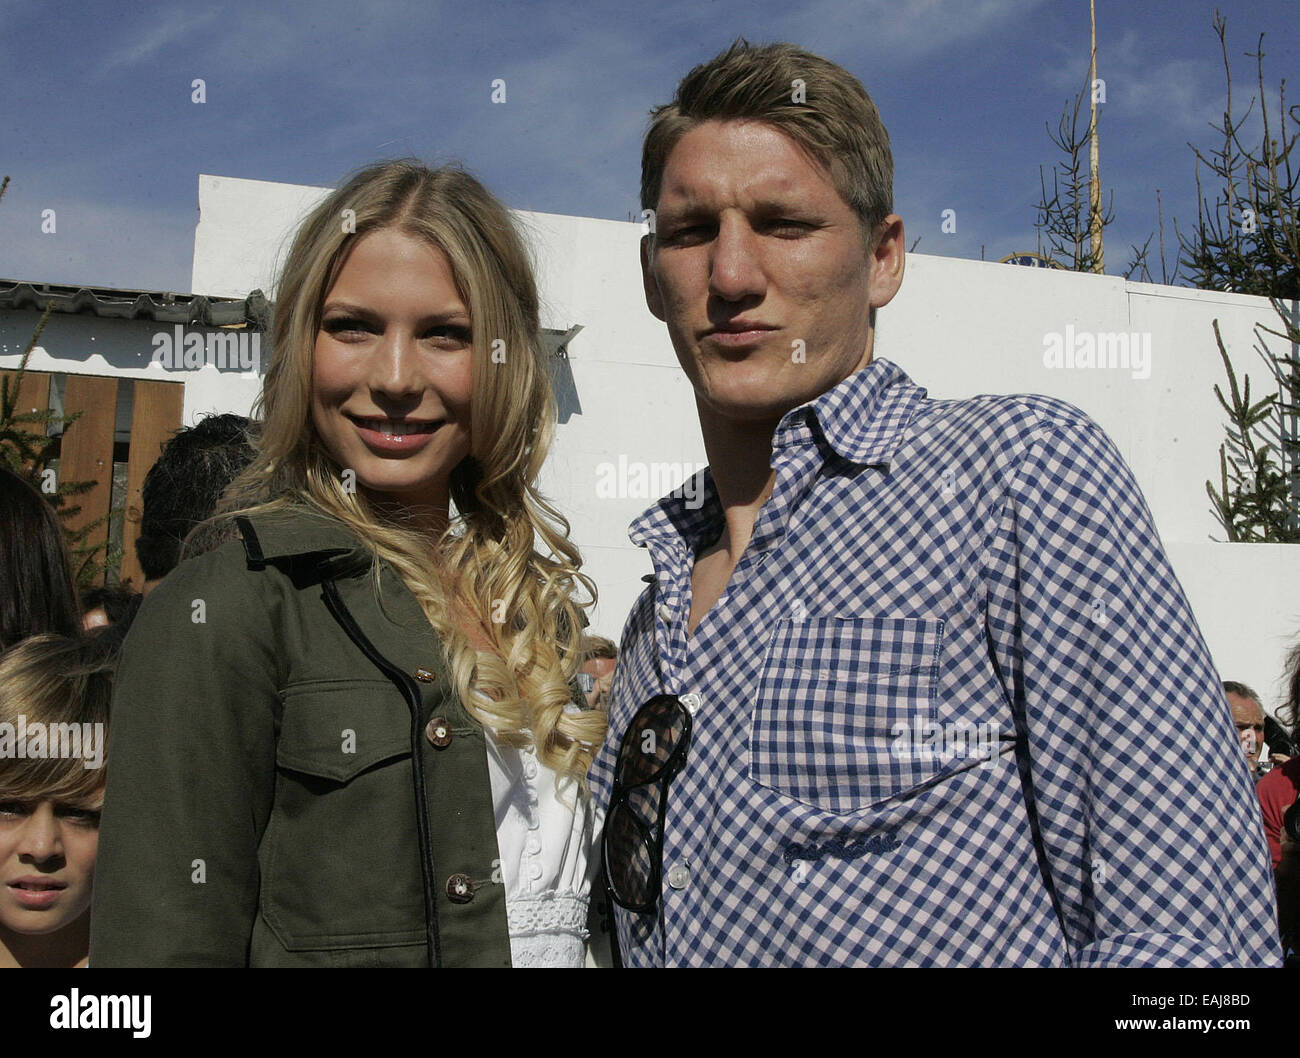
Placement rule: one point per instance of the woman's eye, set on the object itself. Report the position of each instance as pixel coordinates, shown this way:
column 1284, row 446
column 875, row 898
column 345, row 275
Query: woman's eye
column 337, row 325
column 449, row 332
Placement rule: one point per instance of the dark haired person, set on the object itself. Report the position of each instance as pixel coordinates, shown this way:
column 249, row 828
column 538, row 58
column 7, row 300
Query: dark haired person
column 875, row 577
column 37, row 593
column 105, row 607
column 182, row 488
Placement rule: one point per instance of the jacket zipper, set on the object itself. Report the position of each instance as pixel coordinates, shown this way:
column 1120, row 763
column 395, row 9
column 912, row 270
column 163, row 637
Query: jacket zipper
column 334, row 603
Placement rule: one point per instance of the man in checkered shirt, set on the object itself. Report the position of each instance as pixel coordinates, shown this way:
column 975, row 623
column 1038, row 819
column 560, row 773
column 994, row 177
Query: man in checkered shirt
column 947, row 701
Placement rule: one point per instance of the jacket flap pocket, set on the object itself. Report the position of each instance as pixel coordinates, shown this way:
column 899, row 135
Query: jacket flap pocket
column 336, row 729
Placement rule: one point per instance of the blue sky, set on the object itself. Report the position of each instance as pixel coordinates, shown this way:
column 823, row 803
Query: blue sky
column 99, row 125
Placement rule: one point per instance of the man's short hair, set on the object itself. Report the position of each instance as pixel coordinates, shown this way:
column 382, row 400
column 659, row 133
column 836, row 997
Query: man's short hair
column 594, row 646
column 183, row 487
column 835, row 121
column 1241, row 691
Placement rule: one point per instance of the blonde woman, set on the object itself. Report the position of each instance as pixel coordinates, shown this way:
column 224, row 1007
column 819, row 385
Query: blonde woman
column 352, row 736
column 54, row 699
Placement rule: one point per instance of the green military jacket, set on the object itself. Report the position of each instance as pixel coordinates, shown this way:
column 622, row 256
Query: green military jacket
column 261, row 804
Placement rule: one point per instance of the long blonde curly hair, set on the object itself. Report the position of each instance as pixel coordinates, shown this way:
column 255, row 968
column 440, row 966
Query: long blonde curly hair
column 486, row 571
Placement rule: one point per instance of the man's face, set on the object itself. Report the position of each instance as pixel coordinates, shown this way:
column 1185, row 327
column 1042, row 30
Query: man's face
column 1249, row 718
column 761, row 271
column 601, row 670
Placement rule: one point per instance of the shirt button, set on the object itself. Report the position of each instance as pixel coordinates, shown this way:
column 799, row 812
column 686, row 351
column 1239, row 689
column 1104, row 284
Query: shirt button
column 535, row 871
column 532, row 798
column 534, row 846
column 533, row 823
column 678, row 875
column 692, row 702
column 665, row 612
column 438, row 731
column 460, row 889
column 530, row 770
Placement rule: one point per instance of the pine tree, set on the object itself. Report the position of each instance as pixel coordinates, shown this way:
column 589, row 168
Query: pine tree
column 1248, row 241
column 28, row 452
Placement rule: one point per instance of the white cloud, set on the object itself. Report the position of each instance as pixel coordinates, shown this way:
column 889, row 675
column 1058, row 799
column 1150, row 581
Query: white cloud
column 172, row 27
column 877, row 30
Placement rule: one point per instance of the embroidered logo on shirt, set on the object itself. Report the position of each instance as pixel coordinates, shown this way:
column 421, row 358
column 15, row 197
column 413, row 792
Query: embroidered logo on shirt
column 839, row 848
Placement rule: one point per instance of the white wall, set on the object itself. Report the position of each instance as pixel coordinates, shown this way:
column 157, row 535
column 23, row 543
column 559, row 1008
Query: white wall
column 957, row 327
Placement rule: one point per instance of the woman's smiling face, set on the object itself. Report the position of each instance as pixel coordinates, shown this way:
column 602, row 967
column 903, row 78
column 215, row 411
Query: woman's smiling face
column 392, row 372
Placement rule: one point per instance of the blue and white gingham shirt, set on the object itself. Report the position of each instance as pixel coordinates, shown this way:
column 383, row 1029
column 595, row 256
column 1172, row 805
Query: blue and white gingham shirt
column 930, row 579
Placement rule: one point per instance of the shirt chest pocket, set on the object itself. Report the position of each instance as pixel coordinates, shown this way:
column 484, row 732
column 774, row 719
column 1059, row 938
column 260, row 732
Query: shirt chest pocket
column 834, row 696
column 339, row 861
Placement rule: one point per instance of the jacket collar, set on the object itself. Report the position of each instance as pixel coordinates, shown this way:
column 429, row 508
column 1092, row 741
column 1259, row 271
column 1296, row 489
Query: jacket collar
column 293, row 530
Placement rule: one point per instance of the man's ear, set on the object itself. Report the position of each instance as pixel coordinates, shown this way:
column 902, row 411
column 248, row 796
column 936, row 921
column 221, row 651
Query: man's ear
column 654, row 301
column 887, row 261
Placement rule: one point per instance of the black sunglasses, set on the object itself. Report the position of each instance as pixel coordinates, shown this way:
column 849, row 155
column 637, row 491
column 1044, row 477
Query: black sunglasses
column 652, row 751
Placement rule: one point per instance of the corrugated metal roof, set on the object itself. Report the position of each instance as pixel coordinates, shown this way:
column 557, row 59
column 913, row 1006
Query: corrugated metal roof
column 253, row 312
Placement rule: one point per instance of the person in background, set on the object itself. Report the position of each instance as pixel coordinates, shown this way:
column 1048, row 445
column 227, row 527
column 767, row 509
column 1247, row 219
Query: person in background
column 178, row 500
column 1248, row 718
column 1281, row 746
column 37, row 591
column 106, row 607
column 182, row 488
column 1288, row 894
column 599, row 656
column 51, row 792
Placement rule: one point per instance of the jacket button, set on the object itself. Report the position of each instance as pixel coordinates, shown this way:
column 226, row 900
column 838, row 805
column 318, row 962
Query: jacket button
column 460, row 890
column 424, row 675
column 438, row 731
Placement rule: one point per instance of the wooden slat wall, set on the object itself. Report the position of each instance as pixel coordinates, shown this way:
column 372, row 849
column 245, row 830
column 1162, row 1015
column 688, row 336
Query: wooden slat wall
column 88, row 448
column 155, row 417
column 88, row 445
column 33, row 395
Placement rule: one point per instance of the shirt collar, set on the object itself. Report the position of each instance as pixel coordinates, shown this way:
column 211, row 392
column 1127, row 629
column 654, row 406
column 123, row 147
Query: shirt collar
column 862, row 420
column 676, row 517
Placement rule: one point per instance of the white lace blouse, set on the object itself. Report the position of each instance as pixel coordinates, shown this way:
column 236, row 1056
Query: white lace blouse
column 545, row 837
